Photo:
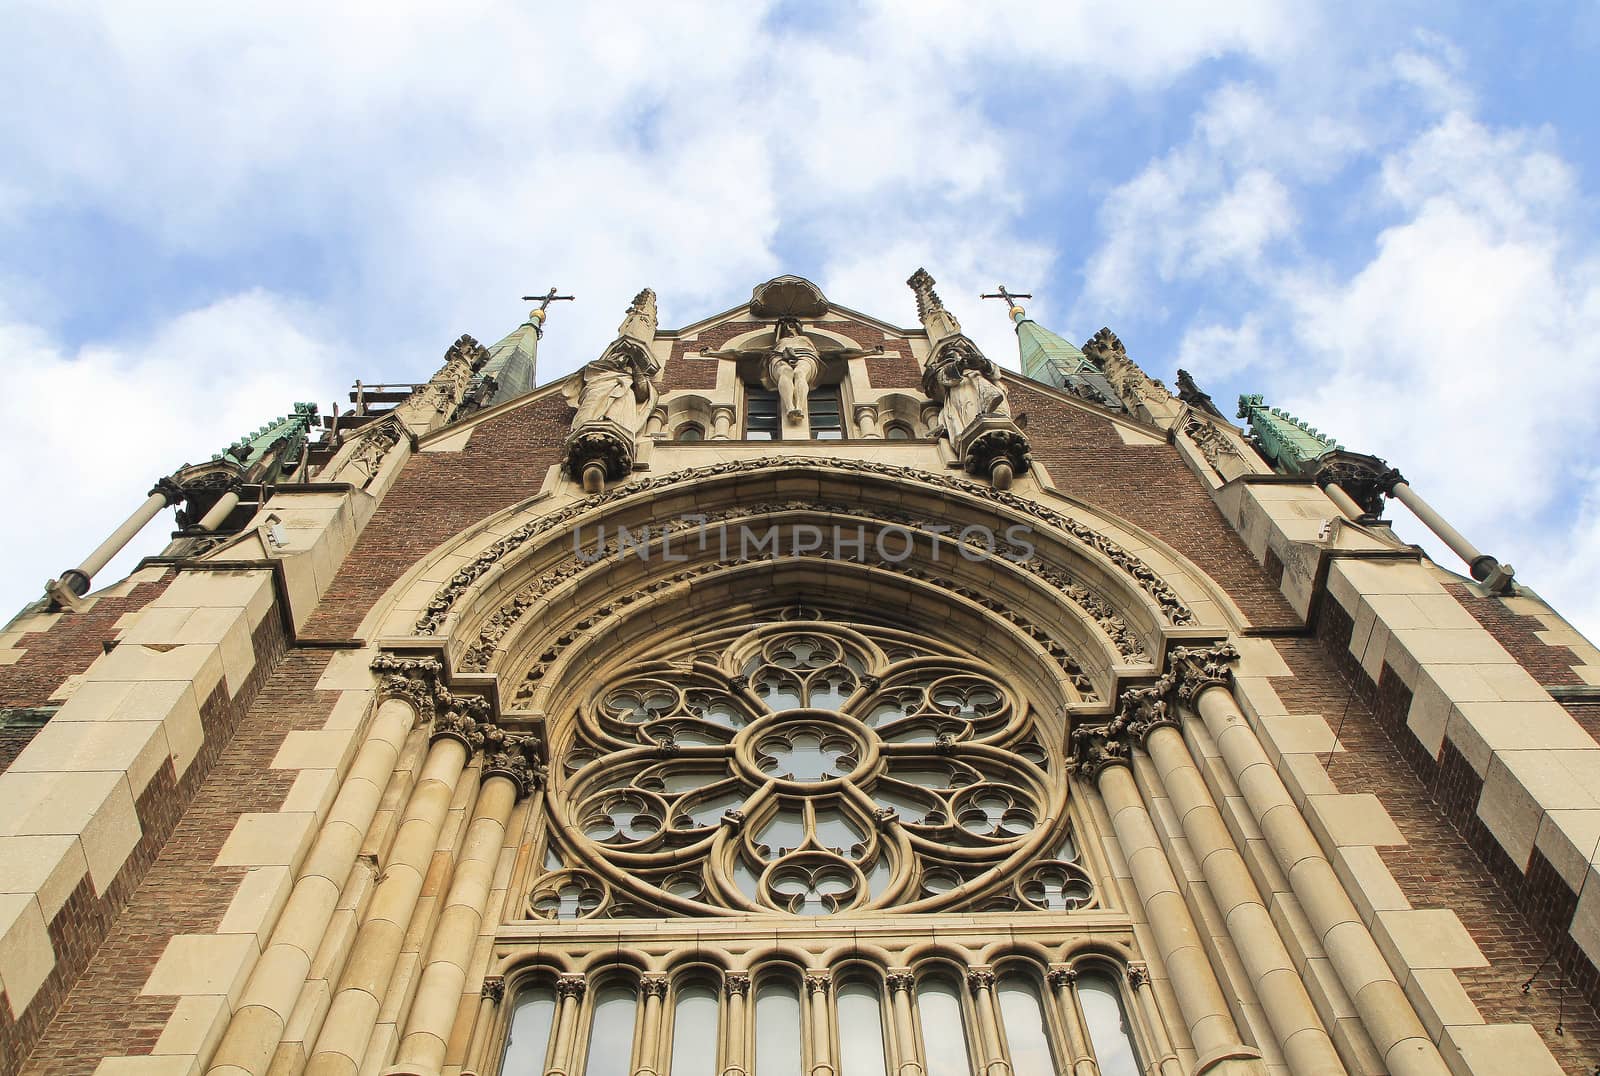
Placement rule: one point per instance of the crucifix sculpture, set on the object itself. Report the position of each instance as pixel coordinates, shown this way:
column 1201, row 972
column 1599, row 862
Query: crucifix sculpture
column 546, row 299
column 1010, row 297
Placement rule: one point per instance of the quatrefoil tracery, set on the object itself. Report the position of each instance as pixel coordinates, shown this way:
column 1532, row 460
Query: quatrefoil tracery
column 808, row 768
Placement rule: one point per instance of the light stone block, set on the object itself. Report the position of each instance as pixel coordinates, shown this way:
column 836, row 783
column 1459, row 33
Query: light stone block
column 195, row 1026
column 47, row 867
column 318, row 750
column 170, row 702
column 1367, row 577
column 155, row 624
column 263, row 839
column 229, row 631
column 97, row 808
column 1568, row 839
column 1366, row 877
column 1422, row 938
column 1297, row 734
column 26, row 955
column 136, row 748
column 256, row 903
column 1497, row 1049
column 1480, row 730
column 1585, row 927
column 1440, row 1000
column 235, row 589
column 1352, row 819
column 1429, row 713
column 203, row 964
column 348, row 669
column 313, row 792
column 199, row 664
column 1450, row 646
column 149, row 1065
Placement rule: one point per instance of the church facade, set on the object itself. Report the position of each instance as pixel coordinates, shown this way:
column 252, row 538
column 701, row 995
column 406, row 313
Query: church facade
column 795, row 694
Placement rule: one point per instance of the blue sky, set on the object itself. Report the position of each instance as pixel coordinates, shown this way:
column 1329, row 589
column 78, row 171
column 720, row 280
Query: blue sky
column 1382, row 216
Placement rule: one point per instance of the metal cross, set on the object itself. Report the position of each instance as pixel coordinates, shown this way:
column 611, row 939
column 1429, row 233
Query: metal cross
column 1010, row 297
column 546, row 299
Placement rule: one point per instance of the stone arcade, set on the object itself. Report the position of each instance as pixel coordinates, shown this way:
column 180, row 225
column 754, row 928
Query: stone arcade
column 793, row 694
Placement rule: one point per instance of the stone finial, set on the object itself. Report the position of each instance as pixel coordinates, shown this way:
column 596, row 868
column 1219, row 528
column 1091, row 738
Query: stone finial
column 938, row 321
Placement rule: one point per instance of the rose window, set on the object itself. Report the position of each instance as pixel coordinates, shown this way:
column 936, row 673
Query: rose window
column 807, row 769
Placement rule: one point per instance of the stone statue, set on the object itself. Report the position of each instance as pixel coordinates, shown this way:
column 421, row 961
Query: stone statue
column 970, row 389
column 792, row 368
column 617, row 387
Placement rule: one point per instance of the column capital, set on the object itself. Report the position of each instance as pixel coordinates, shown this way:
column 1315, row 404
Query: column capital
column 653, row 986
column 494, row 988
column 818, row 982
column 736, row 984
column 899, row 979
column 571, row 985
column 980, row 978
column 723, row 409
column 1138, row 975
column 1199, row 668
column 514, row 756
column 1097, row 747
column 1367, row 479
column 1061, row 975
column 169, row 489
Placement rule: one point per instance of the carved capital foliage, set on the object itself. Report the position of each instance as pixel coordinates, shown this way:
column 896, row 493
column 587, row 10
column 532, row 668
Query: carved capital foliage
column 1142, row 710
column 1197, row 668
column 601, row 442
column 736, row 984
column 900, row 979
column 416, row 680
column 653, row 986
column 494, row 988
column 980, row 979
column 1138, row 975
column 1096, row 747
column 1059, row 977
column 1367, row 479
column 818, row 982
column 994, row 440
column 167, row 488
column 513, row 756
column 571, row 986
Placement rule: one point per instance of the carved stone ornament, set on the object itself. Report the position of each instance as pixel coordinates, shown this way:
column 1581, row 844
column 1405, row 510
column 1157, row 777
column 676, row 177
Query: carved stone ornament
column 900, row 980
column 788, row 296
column 1058, row 977
column 980, row 979
column 1138, row 975
column 614, row 403
column 653, row 986
column 514, row 757
column 818, row 982
column 1105, row 350
column 1094, row 748
column 736, row 984
column 1142, row 710
column 169, row 489
column 416, row 680
column 571, row 986
column 494, row 988
column 1367, row 479
column 1146, row 578
column 1197, row 668
column 975, row 412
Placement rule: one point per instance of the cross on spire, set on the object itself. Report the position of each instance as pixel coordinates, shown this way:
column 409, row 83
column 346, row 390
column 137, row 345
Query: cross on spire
column 547, row 298
column 1010, row 297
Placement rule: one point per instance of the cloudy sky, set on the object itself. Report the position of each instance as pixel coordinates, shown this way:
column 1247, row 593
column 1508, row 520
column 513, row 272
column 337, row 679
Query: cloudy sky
column 1382, row 215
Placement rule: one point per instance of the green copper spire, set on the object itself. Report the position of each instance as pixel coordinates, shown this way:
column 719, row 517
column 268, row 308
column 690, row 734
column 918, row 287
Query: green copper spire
column 1293, row 446
column 1048, row 358
column 513, row 362
column 290, row 429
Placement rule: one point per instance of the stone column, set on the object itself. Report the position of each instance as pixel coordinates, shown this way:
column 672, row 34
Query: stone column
column 1144, row 999
column 722, row 416
column 1347, row 504
column 980, row 983
column 492, row 994
column 221, row 510
column 736, row 1060
column 1482, row 566
column 654, row 989
column 656, row 422
column 901, row 982
column 569, row 998
column 1216, row 1038
column 1063, row 982
column 930, row 420
column 817, row 983
column 75, row 581
column 507, row 776
column 1306, row 1046
column 867, row 420
column 1388, row 1017
column 348, row 1026
column 275, row 983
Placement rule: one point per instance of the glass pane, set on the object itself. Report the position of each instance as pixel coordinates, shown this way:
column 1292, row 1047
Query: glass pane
column 611, row 1032
column 690, row 432
column 778, row 1029
column 1023, row 1018
column 694, row 1033
column 1109, row 1032
column 860, row 1030
column 529, row 1038
column 898, row 432
column 942, row 1033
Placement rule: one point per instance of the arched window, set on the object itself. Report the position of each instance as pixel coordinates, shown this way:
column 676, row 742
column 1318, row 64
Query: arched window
column 1027, row 1032
column 1106, row 1019
column 528, row 1039
column 690, row 431
column 944, row 1034
column 779, row 1045
column 859, row 1010
column 695, row 1013
column 898, row 431
column 610, row 1051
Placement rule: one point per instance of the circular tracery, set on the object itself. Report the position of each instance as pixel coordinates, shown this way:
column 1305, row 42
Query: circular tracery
column 807, row 768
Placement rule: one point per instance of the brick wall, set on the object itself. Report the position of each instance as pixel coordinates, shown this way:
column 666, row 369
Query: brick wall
column 439, row 494
column 69, row 646
column 85, row 932
column 896, row 368
column 1548, row 664
column 1450, row 860
column 1150, row 486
